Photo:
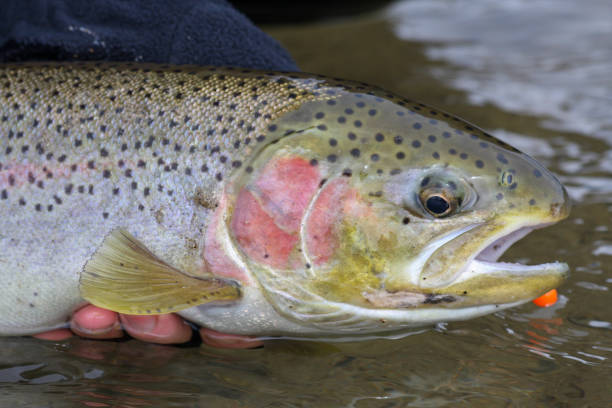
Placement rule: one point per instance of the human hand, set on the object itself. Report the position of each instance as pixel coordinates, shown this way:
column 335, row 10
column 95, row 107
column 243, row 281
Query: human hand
column 95, row 323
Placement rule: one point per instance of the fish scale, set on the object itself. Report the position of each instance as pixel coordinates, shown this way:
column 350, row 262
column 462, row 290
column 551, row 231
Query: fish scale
column 102, row 145
column 118, row 176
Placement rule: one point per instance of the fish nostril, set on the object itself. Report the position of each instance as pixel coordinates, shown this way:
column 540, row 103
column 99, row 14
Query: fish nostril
column 559, row 210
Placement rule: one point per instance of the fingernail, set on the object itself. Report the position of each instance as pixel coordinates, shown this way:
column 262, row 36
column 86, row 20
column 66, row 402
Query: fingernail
column 74, row 326
column 139, row 323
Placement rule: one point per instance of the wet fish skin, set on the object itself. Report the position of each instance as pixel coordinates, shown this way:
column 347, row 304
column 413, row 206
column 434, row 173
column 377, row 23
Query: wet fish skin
column 88, row 148
column 189, row 159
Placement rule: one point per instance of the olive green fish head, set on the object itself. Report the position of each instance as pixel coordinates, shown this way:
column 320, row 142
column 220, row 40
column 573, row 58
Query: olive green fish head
column 375, row 206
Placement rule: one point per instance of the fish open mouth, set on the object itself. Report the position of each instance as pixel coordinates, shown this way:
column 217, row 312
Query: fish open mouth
column 486, row 261
column 495, row 250
column 483, row 280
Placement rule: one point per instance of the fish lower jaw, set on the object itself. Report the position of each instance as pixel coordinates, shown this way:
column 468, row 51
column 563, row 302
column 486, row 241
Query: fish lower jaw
column 477, row 268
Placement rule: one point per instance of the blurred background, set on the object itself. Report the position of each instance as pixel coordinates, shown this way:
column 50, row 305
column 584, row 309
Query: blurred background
column 535, row 73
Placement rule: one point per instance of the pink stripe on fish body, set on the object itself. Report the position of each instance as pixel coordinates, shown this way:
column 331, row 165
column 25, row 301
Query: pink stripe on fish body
column 267, row 217
column 323, row 220
column 215, row 256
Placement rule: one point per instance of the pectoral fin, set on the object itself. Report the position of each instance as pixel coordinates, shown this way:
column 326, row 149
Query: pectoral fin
column 124, row 276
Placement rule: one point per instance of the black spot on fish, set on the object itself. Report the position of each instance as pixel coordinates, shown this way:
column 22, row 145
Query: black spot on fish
column 502, row 158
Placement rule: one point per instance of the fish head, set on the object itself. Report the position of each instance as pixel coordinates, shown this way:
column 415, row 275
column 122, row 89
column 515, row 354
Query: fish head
column 377, row 206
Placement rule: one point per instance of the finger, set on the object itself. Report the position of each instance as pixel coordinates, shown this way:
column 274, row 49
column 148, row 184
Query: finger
column 161, row 329
column 96, row 323
column 230, row 341
column 54, row 335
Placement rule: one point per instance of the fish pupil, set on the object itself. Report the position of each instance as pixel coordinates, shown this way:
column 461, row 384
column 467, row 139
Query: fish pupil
column 437, row 205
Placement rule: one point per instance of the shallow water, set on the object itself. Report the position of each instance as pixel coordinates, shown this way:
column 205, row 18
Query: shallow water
column 536, row 73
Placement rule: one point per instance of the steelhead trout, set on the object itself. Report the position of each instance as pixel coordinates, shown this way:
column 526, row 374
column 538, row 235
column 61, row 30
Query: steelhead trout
column 258, row 203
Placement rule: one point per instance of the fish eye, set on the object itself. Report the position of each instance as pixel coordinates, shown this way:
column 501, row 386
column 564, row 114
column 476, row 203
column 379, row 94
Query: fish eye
column 438, row 202
column 443, row 193
column 436, row 194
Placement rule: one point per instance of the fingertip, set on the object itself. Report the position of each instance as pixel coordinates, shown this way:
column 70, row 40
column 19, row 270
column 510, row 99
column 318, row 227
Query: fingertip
column 161, row 329
column 94, row 318
column 228, row 341
column 96, row 323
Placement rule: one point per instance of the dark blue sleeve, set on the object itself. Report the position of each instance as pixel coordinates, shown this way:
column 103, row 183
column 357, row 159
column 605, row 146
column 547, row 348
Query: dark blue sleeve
column 202, row 32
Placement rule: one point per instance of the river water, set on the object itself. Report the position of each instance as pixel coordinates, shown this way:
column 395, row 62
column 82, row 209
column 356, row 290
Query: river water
column 537, row 74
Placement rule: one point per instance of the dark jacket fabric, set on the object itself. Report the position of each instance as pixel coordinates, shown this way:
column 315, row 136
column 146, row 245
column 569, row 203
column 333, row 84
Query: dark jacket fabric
column 202, row 32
